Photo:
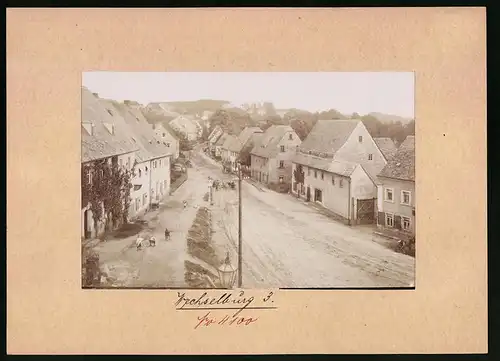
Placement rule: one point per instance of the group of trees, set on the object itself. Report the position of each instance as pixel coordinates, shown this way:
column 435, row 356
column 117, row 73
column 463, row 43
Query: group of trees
column 106, row 189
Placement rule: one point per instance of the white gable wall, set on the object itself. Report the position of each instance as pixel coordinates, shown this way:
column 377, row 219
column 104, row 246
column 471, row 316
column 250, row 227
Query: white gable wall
column 358, row 152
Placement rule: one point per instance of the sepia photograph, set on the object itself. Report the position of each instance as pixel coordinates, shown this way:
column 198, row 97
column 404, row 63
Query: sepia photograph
column 253, row 180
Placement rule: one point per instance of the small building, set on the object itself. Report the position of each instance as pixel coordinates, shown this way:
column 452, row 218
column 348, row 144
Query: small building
column 186, row 125
column 396, row 194
column 228, row 151
column 168, row 136
column 218, row 145
column 271, row 158
column 213, row 137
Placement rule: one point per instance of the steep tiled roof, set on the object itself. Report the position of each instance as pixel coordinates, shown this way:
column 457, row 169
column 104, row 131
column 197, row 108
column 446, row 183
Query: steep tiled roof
column 231, row 143
column 386, row 146
column 245, row 136
column 216, row 132
column 268, row 144
column 342, row 168
column 101, row 143
column 140, row 131
column 327, row 136
column 222, row 139
column 402, row 164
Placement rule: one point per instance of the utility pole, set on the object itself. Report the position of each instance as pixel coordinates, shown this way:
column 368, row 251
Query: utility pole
column 240, row 268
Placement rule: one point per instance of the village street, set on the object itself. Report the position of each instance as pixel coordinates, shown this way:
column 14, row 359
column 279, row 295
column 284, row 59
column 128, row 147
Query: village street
column 286, row 243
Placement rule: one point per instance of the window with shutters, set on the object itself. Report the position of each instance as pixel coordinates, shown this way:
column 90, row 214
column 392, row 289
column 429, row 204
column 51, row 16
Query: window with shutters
column 282, row 148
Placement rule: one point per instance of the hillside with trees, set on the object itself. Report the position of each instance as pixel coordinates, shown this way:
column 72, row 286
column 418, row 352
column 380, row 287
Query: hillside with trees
column 231, row 122
column 197, row 106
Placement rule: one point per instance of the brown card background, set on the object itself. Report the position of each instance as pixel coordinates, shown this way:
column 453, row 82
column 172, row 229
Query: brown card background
column 47, row 50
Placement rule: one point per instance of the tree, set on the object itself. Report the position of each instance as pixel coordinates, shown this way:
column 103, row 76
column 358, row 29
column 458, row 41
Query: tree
column 299, row 176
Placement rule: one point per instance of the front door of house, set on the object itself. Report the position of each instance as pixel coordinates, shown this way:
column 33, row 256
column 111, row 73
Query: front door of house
column 318, row 195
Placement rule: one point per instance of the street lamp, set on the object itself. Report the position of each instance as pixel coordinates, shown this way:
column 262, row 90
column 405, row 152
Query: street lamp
column 227, row 273
column 240, row 268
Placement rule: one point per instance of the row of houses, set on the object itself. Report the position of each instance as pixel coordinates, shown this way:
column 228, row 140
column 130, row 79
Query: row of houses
column 118, row 133
column 339, row 166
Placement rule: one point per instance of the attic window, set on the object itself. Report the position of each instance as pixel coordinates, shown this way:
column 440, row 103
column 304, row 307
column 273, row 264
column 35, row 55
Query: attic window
column 89, row 128
column 360, row 138
column 110, row 127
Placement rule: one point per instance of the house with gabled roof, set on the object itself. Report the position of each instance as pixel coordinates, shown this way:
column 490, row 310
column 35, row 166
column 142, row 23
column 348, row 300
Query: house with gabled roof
column 152, row 169
column 214, row 135
column 103, row 140
column 271, row 157
column 231, row 150
column 218, row 145
column 396, row 198
column 186, row 125
column 167, row 134
column 228, row 155
column 339, row 161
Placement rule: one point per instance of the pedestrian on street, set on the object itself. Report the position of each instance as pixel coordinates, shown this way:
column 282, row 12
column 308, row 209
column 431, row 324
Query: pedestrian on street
column 138, row 242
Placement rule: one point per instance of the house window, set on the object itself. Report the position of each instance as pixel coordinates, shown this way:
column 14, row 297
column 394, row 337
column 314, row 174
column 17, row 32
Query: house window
column 163, row 134
column 322, row 175
column 360, row 138
column 89, row 177
column 370, row 156
column 389, row 220
column 168, row 145
column 282, row 164
column 315, row 173
column 333, row 179
column 145, row 198
column 146, row 170
column 389, row 195
column 308, row 171
column 405, row 197
column 281, row 179
column 341, row 183
column 405, row 223
column 282, row 148
column 137, row 204
column 140, row 173
column 290, row 136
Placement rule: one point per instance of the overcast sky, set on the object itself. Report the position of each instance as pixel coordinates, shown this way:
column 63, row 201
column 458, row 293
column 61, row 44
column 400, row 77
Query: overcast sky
column 361, row 92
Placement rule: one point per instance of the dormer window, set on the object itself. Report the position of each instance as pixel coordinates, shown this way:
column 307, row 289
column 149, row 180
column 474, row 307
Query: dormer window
column 110, row 127
column 89, row 128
